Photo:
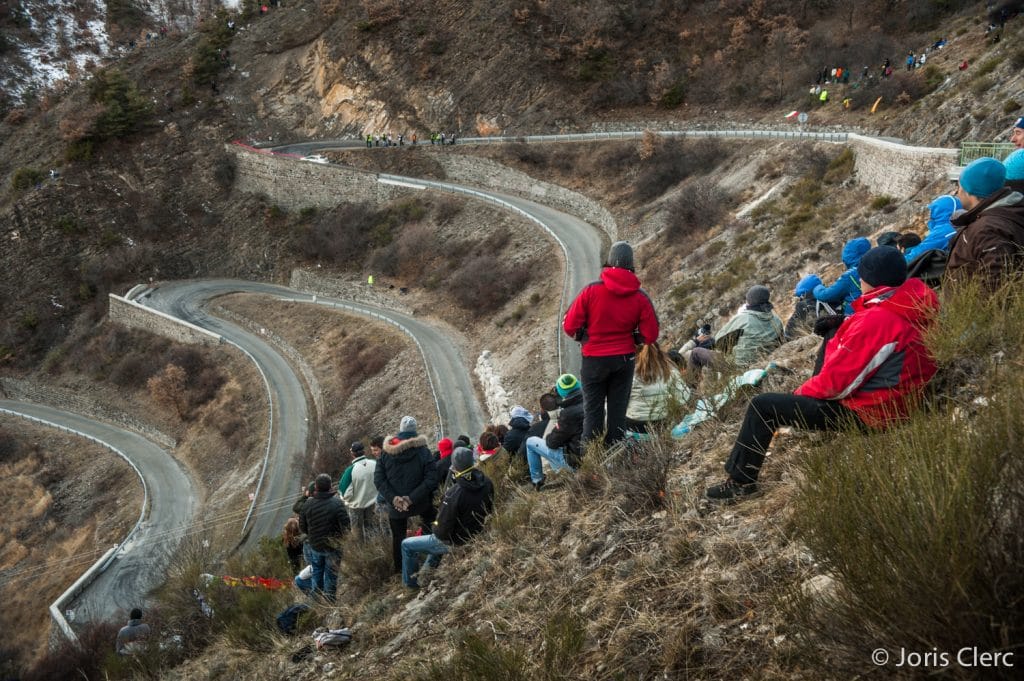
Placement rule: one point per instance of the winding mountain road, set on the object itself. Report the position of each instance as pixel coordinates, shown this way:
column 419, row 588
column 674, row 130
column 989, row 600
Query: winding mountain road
column 582, row 244
column 139, row 565
column 455, row 395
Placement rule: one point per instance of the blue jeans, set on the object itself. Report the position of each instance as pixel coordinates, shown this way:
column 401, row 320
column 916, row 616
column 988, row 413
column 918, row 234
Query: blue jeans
column 537, row 449
column 325, row 571
column 412, row 547
column 304, row 585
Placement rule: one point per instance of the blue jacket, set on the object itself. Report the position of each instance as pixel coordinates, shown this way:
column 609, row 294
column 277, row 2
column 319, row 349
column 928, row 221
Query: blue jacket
column 940, row 231
column 846, row 289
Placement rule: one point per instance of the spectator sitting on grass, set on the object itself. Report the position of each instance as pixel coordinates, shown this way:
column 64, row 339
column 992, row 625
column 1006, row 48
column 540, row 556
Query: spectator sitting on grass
column 657, row 385
column 846, row 288
column 940, row 231
column 752, row 332
column 133, row 635
column 875, row 369
column 561, row 447
column 1014, row 164
column 806, row 308
column 990, row 242
column 464, row 506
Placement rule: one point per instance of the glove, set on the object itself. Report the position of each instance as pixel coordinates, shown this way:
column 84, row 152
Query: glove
column 824, row 326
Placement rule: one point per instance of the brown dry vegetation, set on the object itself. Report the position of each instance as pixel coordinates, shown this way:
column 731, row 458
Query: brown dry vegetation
column 368, row 374
column 65, row 502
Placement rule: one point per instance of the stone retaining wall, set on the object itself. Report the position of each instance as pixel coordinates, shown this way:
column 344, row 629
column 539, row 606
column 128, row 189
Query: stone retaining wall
column 294, row 184
column 80, row 403
column 347, row 289
column 899, row 170
column 135, row 316
column 483, row 172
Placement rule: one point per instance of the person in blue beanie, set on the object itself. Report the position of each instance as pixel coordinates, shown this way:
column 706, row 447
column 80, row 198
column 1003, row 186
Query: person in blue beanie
column 1017, row 133
column 940, row 230
column 804, row 311
column 990, row 241
column 1015, row 170
column 846, row 288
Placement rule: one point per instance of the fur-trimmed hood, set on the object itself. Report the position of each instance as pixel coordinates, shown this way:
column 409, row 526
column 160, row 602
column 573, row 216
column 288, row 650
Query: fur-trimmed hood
column 402, row 449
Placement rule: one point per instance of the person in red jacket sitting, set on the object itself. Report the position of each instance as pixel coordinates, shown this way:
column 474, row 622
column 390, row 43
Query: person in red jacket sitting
column 875, row 369
column 610, row 318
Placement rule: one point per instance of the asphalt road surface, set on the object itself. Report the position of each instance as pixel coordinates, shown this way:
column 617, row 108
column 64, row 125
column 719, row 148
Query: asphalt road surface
column 584, row 244
column 459, row 408
column 140, row 565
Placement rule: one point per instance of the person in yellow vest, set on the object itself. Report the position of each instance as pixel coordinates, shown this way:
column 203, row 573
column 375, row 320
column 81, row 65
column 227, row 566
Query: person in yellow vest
column 823, row 97
column 369, row 280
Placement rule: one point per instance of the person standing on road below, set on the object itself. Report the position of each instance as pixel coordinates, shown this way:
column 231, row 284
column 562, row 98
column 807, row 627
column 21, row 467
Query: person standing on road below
column 610, row 318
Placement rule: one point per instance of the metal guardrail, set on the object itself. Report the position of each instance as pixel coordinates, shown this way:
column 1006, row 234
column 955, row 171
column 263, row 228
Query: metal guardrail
column 483, row 196
column 97, row 568
column 638, row 134
column 970, row 151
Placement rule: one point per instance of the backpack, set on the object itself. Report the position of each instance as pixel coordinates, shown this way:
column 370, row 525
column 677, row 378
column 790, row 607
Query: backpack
column 331, row 638
column 288, row 619
column 929, row 266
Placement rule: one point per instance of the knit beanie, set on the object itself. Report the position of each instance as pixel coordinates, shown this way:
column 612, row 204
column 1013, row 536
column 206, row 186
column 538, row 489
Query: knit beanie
column 567, row 384
column 883, row 266
column 806, row 285
column 445, row 447
column 983, row 178
column 758, row 295
column 519, row 412
column 887, row 239
column 621, row 255
column 1014, row 164
column 1019, row 123
column 408, row 425
column 357, row 448
column 462, row 459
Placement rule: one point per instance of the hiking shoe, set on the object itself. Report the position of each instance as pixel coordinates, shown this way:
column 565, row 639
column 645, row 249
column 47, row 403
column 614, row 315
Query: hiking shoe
column 539, row 485
column 731, row 490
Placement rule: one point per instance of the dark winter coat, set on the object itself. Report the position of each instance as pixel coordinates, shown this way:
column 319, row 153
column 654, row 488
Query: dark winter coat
column 464, row 507
column 990, row 242
column 515, row 439
column 406, row 468
column 324, row 520
column 566, row 435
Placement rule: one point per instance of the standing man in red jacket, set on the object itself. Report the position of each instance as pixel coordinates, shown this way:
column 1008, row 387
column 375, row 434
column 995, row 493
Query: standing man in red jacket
column 610, row 318
column 875, row 369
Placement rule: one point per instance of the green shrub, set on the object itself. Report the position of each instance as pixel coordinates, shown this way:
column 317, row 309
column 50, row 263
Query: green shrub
column 79, row 150
column 125, row 13
column 980, row 86
column 26, row 178
column 598, row 65
column 933, row 78
column 881, row 202
column 674, row 96
column 1011, row 106
column 841, row 167
column 920, row 525
column 125, row 109
column 207, row 62
column 987, row 67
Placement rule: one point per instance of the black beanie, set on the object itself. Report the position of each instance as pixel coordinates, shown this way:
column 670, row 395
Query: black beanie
column 883, row 266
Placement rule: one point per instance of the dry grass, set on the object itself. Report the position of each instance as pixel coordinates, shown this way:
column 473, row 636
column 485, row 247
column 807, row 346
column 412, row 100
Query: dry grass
column 53, row 517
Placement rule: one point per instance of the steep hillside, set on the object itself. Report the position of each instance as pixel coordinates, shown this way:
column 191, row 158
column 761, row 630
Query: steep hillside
column 622, row 572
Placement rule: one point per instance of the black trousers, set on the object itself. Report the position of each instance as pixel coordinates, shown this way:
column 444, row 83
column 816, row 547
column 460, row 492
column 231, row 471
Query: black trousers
column 606, row 379
column 768, row 411
column 399, row 527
